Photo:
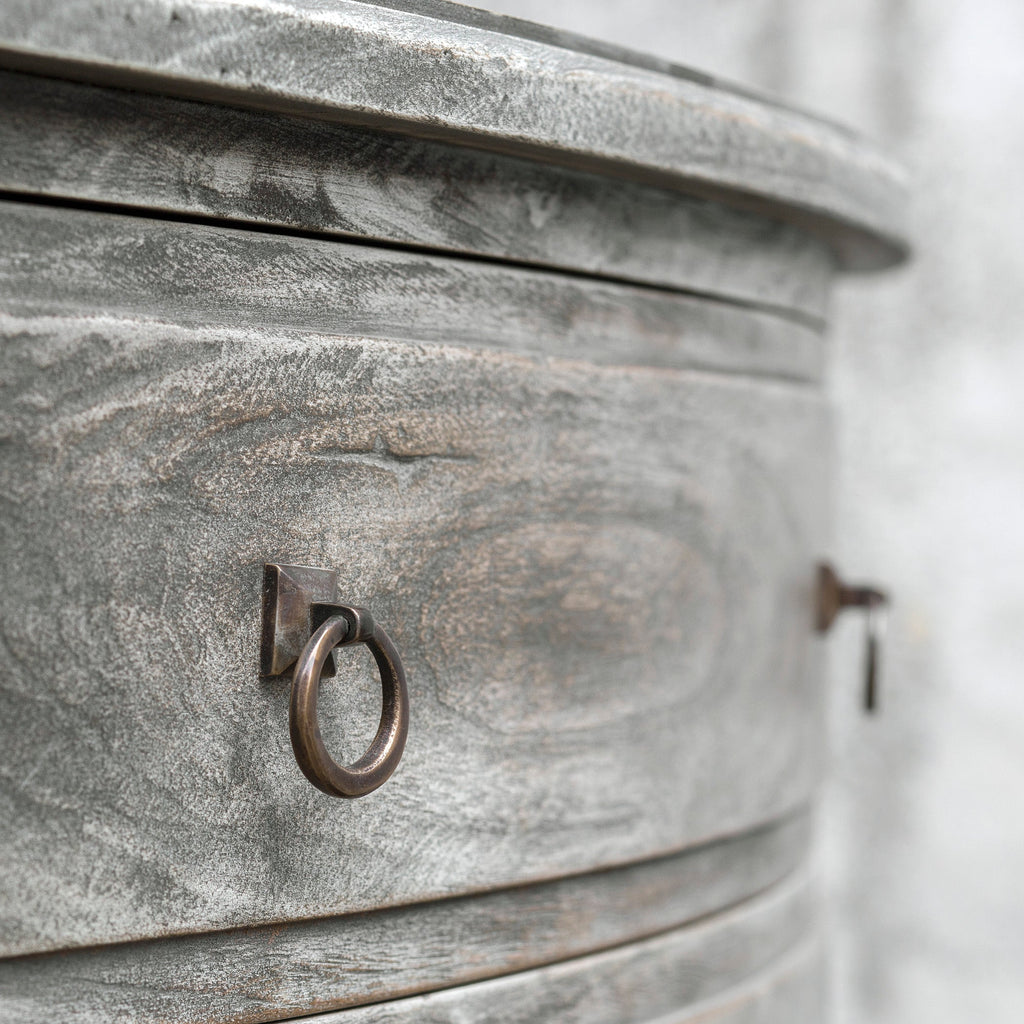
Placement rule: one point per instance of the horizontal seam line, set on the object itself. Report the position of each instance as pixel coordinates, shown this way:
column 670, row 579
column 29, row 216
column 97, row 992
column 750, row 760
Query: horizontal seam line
column 785, row 313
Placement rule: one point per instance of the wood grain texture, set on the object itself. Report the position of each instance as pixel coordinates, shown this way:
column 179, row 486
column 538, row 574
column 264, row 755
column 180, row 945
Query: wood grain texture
column 430, row 73
column 759, row 962
column 263, row 974
column 599, row 578
column 193, row 159
column 85, row 262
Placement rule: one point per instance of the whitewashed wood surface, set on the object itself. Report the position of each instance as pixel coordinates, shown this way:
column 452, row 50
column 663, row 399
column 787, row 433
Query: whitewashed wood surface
column 583, row 481
column 599, row 577
column 759, row 962
column 89, row 263
column 429, row 70
column 127, row 150
column 293, row 968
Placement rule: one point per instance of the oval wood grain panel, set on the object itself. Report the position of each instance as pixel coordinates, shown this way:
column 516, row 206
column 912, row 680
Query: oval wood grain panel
column 283, row 970
column 431, row 71
column 151, row 469
column 514, row 598
column 58, row 260
column 759, row 962
column 112, row 146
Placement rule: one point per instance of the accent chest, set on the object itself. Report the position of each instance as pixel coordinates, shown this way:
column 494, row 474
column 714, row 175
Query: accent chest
column 515, row 341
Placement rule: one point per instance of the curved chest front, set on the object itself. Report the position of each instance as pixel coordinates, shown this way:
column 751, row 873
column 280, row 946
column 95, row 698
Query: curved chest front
column 562, row 432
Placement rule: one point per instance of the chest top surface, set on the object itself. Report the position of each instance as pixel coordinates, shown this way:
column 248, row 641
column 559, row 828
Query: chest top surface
column 443, row 71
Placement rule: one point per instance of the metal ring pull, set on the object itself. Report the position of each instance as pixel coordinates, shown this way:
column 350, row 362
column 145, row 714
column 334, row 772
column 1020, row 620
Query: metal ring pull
column 833, row 596
column 344, row 626
column 875, row 622
column 302, row 599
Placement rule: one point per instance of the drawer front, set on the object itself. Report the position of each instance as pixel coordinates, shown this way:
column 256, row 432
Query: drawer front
column 599, row 578
column 277, row 971
column 82, row 143
column 75, row 262
column 756, row 964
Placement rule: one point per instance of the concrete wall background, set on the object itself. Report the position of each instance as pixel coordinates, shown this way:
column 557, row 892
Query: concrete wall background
column 923, row 827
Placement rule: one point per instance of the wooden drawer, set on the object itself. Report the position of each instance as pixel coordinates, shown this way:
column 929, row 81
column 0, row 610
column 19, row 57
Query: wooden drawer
column 758, row 963
column 651, row 930
column 599, row 579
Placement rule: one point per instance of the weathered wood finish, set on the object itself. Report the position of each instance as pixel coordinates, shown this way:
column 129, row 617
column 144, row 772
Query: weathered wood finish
column 430, row 71
column 562, row 432
column 81, row 261
column 113, row 146
column 758, row 962
column 263, row 974
column 637, row 544
column 790, row 993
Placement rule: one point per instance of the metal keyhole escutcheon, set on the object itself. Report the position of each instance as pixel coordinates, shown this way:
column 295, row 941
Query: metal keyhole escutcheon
column 298, row 601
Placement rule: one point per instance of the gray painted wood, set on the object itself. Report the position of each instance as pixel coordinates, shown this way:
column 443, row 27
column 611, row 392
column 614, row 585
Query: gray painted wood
column 113, row 146
column 793, row 991
column 588, row 512
column 599, row 578
column 263, row 974
column 759, row 962
column 423, row 73
column 82, row 261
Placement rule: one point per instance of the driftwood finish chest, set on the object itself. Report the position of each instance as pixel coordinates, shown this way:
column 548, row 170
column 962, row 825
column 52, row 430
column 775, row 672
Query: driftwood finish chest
column 519, row 339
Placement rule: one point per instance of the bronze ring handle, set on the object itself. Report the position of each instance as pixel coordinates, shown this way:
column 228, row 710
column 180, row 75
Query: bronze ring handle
column 347, row 625
column 833, row 596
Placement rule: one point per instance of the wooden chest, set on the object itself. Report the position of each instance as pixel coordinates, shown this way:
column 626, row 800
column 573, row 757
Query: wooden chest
column 521, row 337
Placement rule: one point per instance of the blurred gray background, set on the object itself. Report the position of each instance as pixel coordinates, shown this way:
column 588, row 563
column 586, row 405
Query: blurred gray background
column 923, row 825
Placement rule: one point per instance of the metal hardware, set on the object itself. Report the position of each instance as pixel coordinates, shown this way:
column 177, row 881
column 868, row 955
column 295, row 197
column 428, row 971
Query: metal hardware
column 833, row 597
column 289, row 592
column 303, row 624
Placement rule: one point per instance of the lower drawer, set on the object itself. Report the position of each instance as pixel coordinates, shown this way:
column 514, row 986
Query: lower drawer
column 599, row 578
column 609, row 948
column 723, row 971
